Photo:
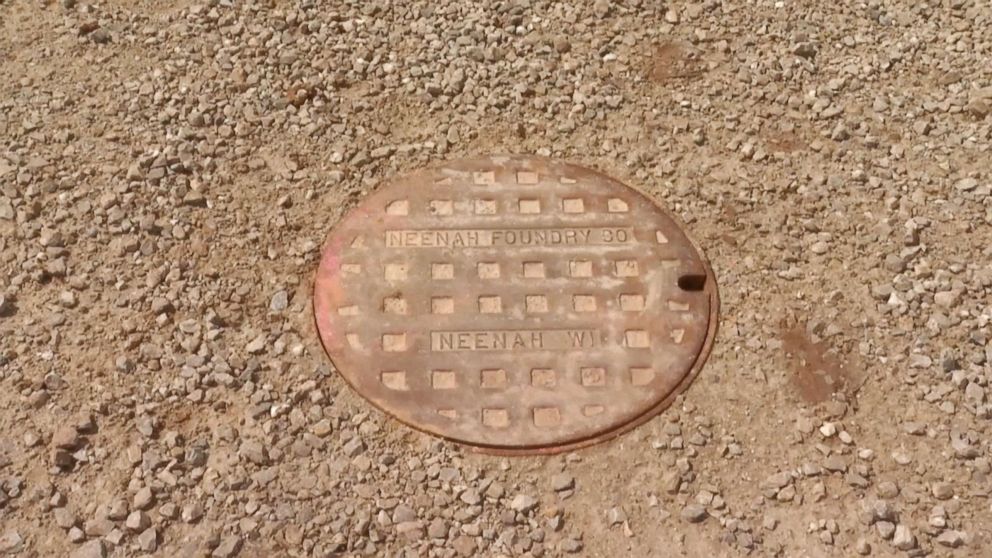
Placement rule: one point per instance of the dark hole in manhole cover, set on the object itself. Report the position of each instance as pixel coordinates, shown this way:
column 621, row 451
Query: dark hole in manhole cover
column 516, row 304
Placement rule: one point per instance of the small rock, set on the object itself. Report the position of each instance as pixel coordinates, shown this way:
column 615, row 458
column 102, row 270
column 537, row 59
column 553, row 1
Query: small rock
column 93, row 549
column 835, row 464
column 894, row 263
column 192, row 512
column 471, row 497
column 6, row 306
column 403, row 514
column 901, row 458
column 694, row 513
column 228, row 547
column 562, row 481
column 6, row 209
column 118, row 509
column 144, row 499
column 256, row 345
column 671, row 482
column 465, row 546
column 975, row 393
column 885, row 529
column 966, row 184
column 602, row 8
column 951, row 539
column 66, row 437
column 914, row 428
column 805, row 50
column 279, row 302
column 888, row 489
column 354, row 447
column 410, row 530
column 168, row 510
column 99, row 527
column 11, row 542
column 64, row 518
column 437, row 529
column 137, row 521
column 76, row 535
column 903, row 539
column 616, row 516
column 63, row 459
column 777, row 481
column 100, row 36
column 254, row 451
column 523, row 503
column 942, row 490
column 115, row 537
column 946, row 299
column 570, row 545
column 322, row 428
column 148, row 540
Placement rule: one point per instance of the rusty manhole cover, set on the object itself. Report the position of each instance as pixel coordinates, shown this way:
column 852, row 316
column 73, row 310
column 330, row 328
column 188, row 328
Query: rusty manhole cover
column 516, row 304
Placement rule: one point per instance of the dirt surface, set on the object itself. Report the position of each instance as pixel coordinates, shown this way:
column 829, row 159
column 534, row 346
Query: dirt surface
column 169, row 170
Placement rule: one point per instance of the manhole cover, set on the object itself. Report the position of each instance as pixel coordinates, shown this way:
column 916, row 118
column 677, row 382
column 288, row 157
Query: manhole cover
column 513, row 303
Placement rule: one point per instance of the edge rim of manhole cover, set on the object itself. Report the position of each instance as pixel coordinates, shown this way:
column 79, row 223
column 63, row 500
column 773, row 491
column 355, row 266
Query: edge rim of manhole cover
column 710, row 288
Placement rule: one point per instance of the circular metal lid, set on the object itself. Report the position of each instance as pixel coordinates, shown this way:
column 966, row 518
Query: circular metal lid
column 517, row 304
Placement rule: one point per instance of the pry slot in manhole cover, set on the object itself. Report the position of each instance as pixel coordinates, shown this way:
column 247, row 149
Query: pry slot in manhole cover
column 516, row 304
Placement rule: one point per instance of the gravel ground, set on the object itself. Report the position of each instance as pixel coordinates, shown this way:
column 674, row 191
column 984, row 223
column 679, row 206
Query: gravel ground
column 168, row 171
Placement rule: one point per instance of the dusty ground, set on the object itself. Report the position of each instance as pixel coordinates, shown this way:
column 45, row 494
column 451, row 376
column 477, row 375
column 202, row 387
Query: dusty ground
column 169, row 169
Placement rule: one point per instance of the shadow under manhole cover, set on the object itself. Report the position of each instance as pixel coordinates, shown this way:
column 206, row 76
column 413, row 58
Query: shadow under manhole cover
column 515, row 304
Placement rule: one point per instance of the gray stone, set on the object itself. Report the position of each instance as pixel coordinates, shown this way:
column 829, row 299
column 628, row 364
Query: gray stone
column 570, row 545
column 137, row 521
column 66, row 437
column 144, row 499
column 966, row 184
column 411, row 530
column 951, row 539
column 93, row 549
column 404, row 513
column 694, row 513
column 562, row 481
column 975, row 393
column 835, row 464
column 64, row 518
column 470, row 497
column 942, row 490
column 354, row 447
column 437, row 529
column 6, row 209
column 888, row 489
column 118, row 509
column 903, row 539
column 99, row 527
column 279, row 302
column 616, row 516
column 148, row 540
column 523, row 503
column 192, row 512
column 11, row 542
column 229, row 546
column 254, row 451
column 168, row 510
